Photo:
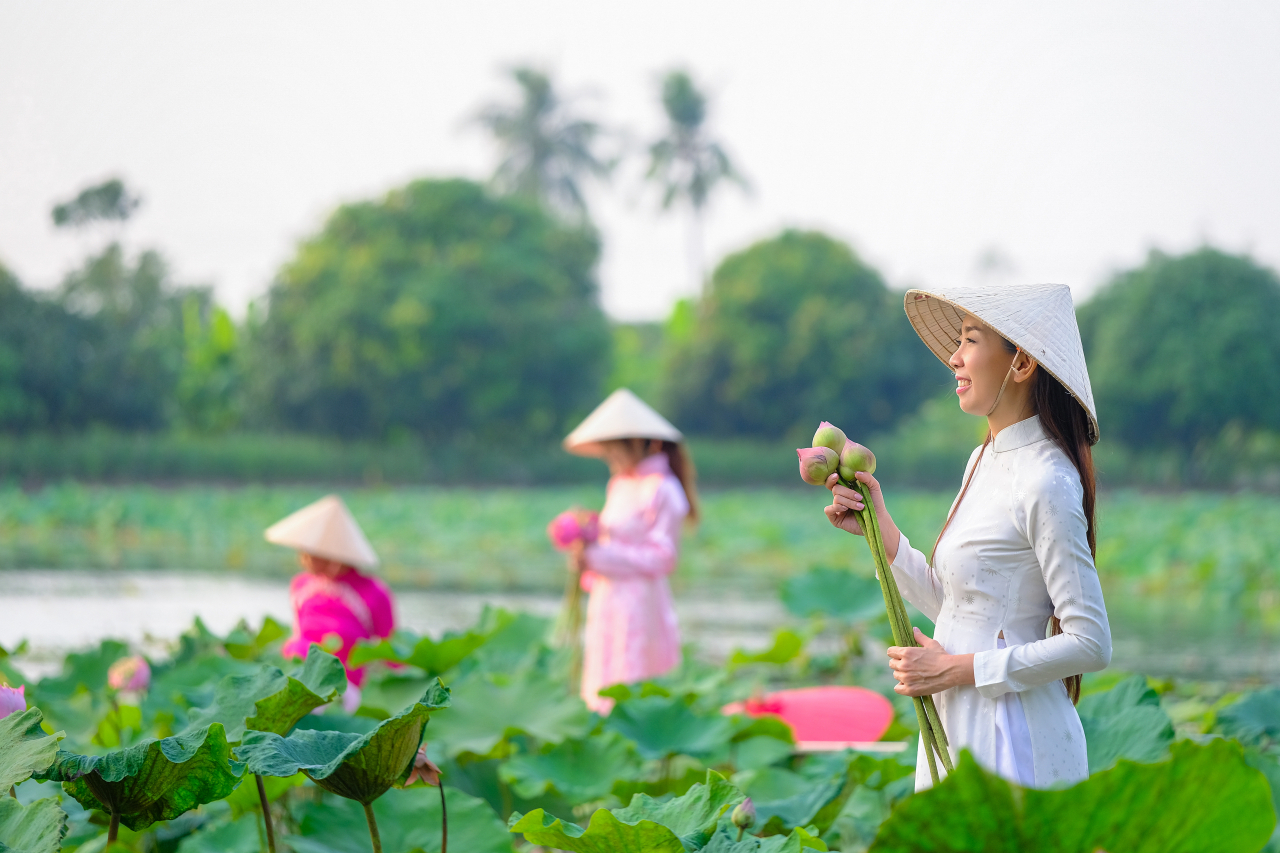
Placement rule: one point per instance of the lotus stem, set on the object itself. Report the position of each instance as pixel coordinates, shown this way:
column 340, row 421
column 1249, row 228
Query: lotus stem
column 444, row 822
column 114, row 829
column 373, row 828
column 266, row 813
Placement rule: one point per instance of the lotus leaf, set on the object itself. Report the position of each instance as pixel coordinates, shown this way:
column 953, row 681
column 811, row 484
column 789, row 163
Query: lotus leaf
column 245, row 798
column 152, row 780
column 242, row 835
column 645, row 826
column 785, row 800
column 1252, row 719
column 836, row 593
column 409, row 821
column 491, row 709
column 1125, row 722
column 24, row 747
column 242, row 644
column 270, row 701
column 358, row 767
column 579, row 770
column 786, row 647
column 1204, row 799
column 662, row 726
column 726, row 840
column 434, row 656
column 38, row 827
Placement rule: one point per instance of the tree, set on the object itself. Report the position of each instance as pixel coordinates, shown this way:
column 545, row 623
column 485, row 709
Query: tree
column 441, row 309
column 686, row 163
column 1183, row 346
column 797, row 329
column 106, row 202
column 547, row 151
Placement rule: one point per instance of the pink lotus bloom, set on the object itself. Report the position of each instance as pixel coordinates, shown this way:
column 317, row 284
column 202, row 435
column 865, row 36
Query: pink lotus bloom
column 13, row 700
column 817, row 464
column 131, row 673
column 573, row 525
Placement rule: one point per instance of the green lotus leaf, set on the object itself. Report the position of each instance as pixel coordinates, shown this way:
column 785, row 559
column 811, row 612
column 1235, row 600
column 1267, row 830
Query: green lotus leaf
column 434, row 656
column 35, row 828
column 492, row 708
column 578, row 770
column 1125, row 722
column 244, row 800
column 24, row 747
column 270, row 701
column 835, row 593
column 1252, row 719
column 408, row 821
column 786, row 647
column 239, row 835
column 358, row 767
column 665, row 725
column 645, row 826
column 785, row 800
column 1203, row 799
column 726, row 840
column 152, row 780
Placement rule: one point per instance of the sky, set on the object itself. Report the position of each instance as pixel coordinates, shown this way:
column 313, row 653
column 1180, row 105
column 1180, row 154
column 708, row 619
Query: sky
column 946, row 142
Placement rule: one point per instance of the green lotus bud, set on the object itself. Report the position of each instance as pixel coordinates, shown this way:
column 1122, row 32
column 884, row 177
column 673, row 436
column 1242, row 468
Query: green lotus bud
column 744, row 815
column 817, row 464
column 829, row 435
column 853, row 458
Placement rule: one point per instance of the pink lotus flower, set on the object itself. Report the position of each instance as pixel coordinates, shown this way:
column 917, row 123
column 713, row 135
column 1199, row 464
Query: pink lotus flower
column 853, row 458
column 817, row 464
column 131, row 673
column 13, row 700
column 573, row 525
column 424, row 769
column 829, row 435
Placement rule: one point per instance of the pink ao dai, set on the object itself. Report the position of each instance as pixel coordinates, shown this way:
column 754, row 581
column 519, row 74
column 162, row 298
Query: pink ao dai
column 350, row 607
column 631, row 632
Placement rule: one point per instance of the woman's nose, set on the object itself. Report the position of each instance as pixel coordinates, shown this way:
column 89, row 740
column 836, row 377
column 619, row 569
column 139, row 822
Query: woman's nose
column 955, row 362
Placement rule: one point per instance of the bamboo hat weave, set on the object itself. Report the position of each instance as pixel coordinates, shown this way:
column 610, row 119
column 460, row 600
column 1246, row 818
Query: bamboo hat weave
column 1039, row 318
column 621, row 415
column 325, row 529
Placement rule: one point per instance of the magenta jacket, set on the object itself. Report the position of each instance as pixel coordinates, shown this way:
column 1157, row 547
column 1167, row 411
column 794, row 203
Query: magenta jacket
column 350, row 607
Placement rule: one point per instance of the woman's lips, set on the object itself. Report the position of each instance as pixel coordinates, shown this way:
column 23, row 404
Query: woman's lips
column 963, row 385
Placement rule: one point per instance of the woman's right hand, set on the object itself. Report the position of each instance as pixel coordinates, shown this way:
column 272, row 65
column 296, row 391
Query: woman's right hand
column 846, row 503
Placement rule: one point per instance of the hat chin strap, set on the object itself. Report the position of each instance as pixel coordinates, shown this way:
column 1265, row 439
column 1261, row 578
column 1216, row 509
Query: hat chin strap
column 1005, row 383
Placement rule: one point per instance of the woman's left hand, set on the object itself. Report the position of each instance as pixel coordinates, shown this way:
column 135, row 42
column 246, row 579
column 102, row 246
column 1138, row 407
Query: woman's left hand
column 928, row 669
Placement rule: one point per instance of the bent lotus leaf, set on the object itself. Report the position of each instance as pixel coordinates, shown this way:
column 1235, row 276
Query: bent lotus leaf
column 646, row 826
column 434, row 656
column 579, row 770
column 1125, row 722
column 358, row 767
column 270, row 701
column 1204, row 799
column 152, row 780
column 24, row 747
column 35, row 828
column 786, row 647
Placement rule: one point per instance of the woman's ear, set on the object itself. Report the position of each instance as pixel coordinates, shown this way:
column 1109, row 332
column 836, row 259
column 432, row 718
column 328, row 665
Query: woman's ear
column 1024, row 367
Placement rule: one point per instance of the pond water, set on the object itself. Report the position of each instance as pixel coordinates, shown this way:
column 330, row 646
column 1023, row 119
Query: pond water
column 60, row 610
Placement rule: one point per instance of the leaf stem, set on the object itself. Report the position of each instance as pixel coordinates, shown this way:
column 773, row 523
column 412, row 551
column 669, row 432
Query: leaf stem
column 114, row 829
column 373, row 828
column 444, row 822
column 266, row 813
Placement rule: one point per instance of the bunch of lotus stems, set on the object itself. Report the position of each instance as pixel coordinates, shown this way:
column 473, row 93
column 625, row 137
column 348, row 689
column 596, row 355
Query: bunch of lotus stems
column 834, row 453
column 566, row 530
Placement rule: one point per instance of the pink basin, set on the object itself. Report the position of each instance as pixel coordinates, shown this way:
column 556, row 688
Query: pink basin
column 835, row 715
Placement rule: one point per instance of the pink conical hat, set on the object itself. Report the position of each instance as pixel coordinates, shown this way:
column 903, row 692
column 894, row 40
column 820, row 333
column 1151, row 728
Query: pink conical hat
column 326, row 529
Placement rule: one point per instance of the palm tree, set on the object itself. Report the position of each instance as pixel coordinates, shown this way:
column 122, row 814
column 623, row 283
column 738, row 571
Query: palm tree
column 686, row 163
column 546, row 149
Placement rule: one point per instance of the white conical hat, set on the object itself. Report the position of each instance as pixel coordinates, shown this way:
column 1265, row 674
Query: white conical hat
column 326, row 529
column 621, row 415
column 1039, row 318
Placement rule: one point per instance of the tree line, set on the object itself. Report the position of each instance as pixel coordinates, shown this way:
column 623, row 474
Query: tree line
column 460, row 312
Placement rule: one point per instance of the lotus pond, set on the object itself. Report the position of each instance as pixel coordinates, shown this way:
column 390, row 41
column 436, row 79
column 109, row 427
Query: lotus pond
column 184, row 759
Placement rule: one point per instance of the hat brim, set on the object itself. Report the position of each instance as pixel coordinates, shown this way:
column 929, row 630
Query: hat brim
column 939, row 320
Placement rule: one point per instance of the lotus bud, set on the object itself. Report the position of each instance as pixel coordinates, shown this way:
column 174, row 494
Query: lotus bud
column 131, row 673
column 13, row 700
column 817, row 464
column 744, row 815
column 829, row 435
column 573, row 525
column 853, row 458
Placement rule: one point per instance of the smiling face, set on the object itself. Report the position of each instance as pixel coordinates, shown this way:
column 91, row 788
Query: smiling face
column 981, row 362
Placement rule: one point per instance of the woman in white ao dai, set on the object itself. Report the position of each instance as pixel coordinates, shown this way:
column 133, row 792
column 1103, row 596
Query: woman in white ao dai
column 1017, row 548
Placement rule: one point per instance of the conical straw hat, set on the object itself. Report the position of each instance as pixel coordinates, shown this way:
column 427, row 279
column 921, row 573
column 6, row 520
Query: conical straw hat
column 325, row 529
column 1039, row 318
column 621, row 415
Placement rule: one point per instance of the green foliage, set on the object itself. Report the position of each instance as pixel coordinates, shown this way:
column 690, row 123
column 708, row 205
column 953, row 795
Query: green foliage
column 440, row 310
column 358, row 767
column 270, row 701
column 24, row 747
column 1253, row 718
column 1125, row 722
column 153, row 780
column 435, row 657
column 580, row 771
column 1204, row 799
column 35, row 828
column 687, row 164
column 663, row 726
column 637, row 360
column 492, row 707
column 787, row 646
column 1167, row 344
column 104, row 202
column 836, row 593
column 208, row 393
column 797, row 329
